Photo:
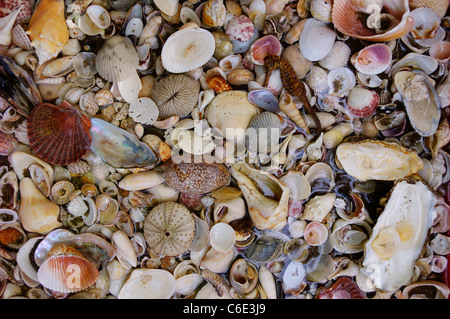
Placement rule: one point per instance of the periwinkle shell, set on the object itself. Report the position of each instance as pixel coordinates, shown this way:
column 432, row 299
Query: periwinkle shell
column 118, row 147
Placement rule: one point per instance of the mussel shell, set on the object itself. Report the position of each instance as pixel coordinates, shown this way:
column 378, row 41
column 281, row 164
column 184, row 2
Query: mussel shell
column 17, row 87
column 265, row 249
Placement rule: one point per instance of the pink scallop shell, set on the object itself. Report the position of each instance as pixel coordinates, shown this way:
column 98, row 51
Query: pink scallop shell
column 362, row 102
column 240, row 28
column 373, row 59
column 267, row 45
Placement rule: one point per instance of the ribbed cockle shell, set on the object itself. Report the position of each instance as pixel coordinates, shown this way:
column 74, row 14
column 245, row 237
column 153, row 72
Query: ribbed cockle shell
column 59, row 134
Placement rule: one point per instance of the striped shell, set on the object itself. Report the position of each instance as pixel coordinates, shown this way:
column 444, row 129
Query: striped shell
column 58, row 134
column 66, row 270
column 196, row 178
column 169, row 229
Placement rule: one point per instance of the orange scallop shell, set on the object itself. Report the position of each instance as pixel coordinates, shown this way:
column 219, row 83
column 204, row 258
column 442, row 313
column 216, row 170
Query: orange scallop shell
column 347, row 20
column 58, row 134
column 218, row 84
column 9, row 235
column 66, row 270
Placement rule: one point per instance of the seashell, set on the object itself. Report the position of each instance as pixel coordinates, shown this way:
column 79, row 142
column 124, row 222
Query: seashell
column 265, row 99
column 220, row 284
column 299, row 63
column 56, row 271
column 187, row 284
column 440, row 51
column 141, row 181
column 61, row 191
column 426, row 23
column 7, row 23
column 240, row 76
column 316, row 40
column 12, row 235
column 341, row 80
column 22, row 96
column 230, row 62
column 421, row 101
column 439, row 139
column 58, row 134
column 88, row 104
column 48, row 29
column 230, row 112
column 414, row 60
column 117, row 60
column 338, row 56
column 134, row 28
column 125, row 252
column 349, row 237
column 263, row 133
column 108, row 141
column 388, row 161
column 187, row 50
column 8, row 216
column 288, row 107
column 267, row 198
column 218, row 84
column 243, row 46
column 294, row 278
column 426, row 289
column 214, row 13
column 169, row 229
column 299, row 186
column 318, row 207
column 243, row 276
column 20, row 37
column 84, row 64
column 217, row 261
column 267, row 281
column 440, row 244
column 275, row 6
column 193, row 177
column 41, row 178
column 222, row 237
column 399, row 234
column 267, row 45
column 148, row 284
column 240, row 28
column 343, row 288
column 228, row 209
column 373, row 59
column 175, row 95
column 8, row 143
column 362, row 102
column 36, row 212
column 20, row 161
column 440, row 7
column 345, row 19
column 317, row 80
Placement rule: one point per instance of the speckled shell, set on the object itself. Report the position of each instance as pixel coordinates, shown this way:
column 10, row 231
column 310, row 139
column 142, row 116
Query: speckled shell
column 8, row 6
column 58, row 134
column 240, row 28
column 196, row 178
column 169, row 229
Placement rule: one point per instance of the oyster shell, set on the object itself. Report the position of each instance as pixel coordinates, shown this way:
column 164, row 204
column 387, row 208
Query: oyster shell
column 379, row 160
column 399, row 235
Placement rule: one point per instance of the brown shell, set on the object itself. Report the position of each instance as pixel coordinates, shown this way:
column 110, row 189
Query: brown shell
column 9, row 235
column 66, row 270
column 58, row 134
column 192, row 177
column 218, row 84
column 169, row 229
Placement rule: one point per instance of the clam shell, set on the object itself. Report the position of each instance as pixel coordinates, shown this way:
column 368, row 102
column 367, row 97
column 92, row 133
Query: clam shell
column 316, row 40
column 175, row 95
column 58, row 134
column 148, row 284
column 56, row 272
column 341, row 80
column 263, row 133
column 265, row 99
column 117, row 59
column 267, row 45
column 222, row 237
column 265, row 249
column 169, row 229
column 187, row 49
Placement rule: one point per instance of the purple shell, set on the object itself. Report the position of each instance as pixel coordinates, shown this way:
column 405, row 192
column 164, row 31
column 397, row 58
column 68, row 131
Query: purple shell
column 240, row 28
column 265, row 99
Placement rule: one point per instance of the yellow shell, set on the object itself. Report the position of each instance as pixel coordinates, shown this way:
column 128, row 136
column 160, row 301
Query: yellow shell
column 48, row 30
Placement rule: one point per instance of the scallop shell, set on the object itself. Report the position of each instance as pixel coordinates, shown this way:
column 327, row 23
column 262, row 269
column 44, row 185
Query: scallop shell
column 192, row 177
column 426, row 23
column 316, row 40
column 175, row 95
column 66, row 270
column 439, row 6
column 345, row 17
column 117, row 59
column 20, row 38
column 337, row 57
column 362, row 102
column 169, row 229
column 267, row 45
column 187, row 49
column 58, row 134
column 264, row 132
column 48, row 29
column 373, row 59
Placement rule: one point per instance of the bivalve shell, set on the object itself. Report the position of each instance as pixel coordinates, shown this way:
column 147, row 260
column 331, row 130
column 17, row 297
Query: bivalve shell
column 373, row 59
column 148, row 284
column 316, row 40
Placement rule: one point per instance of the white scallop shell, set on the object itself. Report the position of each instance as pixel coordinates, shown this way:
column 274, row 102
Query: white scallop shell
column 187, row 49
column 338, row 56
column 316, row 40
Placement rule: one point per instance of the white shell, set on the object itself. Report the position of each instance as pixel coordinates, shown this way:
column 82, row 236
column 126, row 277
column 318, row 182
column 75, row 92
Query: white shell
column 124, row 248
column 338, row 56
column 148, row 284
column 23, row 258
column 316, row 40
column 187, row 49
column 144, row 110
column 222, row 237
column 99, row 16
column 341, row 80
column 403, row 227
column 168, row 7
column 129, row 88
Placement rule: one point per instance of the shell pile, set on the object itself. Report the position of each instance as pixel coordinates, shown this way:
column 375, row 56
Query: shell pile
column 240, row 149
